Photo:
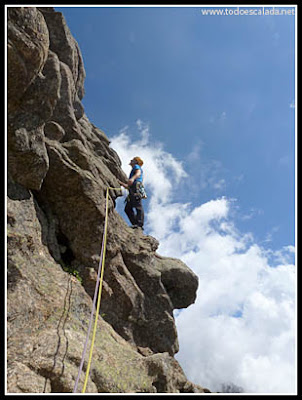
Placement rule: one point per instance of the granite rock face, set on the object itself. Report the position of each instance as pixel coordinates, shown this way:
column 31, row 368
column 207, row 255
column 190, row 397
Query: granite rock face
column 59, row 167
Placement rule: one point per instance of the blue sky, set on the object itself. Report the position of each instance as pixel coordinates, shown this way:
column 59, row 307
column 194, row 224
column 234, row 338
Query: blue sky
column 219, row 86
column 208, row 102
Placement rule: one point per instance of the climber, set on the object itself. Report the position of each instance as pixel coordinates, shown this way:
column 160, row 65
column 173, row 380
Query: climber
column 134, row 198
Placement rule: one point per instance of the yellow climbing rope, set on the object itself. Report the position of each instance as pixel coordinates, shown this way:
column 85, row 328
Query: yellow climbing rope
column 100, row 290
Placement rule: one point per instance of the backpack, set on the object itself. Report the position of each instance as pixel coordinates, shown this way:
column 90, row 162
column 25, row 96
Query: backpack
column 141, row 190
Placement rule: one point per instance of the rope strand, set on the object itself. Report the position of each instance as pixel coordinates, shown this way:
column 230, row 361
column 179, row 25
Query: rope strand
column 99, row 282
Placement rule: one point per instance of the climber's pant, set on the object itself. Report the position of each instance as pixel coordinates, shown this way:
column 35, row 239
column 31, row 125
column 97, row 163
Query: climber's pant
column 135, row 202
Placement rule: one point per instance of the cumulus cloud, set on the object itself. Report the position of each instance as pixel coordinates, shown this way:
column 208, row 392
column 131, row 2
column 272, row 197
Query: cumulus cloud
column 240, row 332
column 158, row 164
column 241, row 327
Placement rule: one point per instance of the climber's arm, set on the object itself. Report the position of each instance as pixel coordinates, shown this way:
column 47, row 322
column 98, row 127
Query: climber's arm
column 131, row 180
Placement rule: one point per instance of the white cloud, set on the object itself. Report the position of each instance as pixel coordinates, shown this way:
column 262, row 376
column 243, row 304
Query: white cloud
column 158, row 164
column 269, row 236
column 220, row 184
column 241, row 329
column 207, row 173
column 252, row 213
column 195, row 153
column 215, row 347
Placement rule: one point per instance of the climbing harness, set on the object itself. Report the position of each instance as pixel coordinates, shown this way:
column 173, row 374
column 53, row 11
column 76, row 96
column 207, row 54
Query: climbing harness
column 98, row 285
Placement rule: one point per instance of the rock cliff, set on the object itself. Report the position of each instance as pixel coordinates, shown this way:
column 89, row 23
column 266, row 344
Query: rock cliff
column 59, row 166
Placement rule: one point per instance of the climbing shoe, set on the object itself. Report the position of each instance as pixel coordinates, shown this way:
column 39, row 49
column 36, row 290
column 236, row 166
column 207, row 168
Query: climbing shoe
column 137, row 227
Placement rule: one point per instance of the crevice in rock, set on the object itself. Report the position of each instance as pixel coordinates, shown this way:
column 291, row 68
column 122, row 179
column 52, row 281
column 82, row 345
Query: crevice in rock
column 15, row 191
column 53, row 238
column 13, row 276
column 67, row 255
column 51, row 380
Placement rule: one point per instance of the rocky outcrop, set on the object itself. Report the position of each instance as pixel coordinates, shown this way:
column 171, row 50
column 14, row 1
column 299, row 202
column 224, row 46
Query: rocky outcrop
column 59, row 167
